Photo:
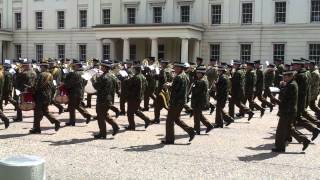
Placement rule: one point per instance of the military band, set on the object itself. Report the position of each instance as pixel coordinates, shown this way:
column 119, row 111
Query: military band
column 165, row 86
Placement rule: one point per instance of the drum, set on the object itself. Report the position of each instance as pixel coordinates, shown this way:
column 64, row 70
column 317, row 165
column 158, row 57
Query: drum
column 27, row 102
column 61, row 96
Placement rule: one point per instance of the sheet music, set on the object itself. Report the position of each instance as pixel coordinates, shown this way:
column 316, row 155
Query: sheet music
column 274, row 89
column 18, row 92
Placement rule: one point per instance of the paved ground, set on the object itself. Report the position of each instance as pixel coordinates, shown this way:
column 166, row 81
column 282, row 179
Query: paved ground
column 241, row 151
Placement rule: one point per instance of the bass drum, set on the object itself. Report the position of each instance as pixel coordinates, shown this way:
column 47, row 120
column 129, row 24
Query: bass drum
column 61, row 96
column 89, row 88
column 27, row 102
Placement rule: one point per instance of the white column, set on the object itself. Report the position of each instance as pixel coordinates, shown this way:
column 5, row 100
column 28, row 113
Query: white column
column 196, row 50
column 154, row 47
column 184, row 50
column 99, row 49
column 126, row 49
column 1, row 51
column 112, row 50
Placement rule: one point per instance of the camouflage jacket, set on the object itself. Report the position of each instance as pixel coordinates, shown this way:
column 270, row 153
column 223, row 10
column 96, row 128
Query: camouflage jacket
column 105, row 89
column 200, row 94
column 136, row 87
column 314, row 84
column 43, row 88
column 179, row 90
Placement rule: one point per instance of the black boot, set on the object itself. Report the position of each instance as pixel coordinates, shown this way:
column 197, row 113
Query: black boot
column 57, row 126
column 71, row 124
column 100, row 136
column 35, row 131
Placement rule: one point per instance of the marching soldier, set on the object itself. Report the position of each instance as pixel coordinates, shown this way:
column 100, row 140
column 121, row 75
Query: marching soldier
column 200, row 100
column 288, row 101
column 57, row 77
column 212, row 75
column 124, row 86
column 278, row 72
column 178, row 98
column 95, row 65
column 105, row 87
column 43, row 97
column 25, row 78
column 301, row 79
column 2, row 83
column 7, row 87
column 250, row 87
column 222, row 92
column 260, row 85
column 162, row 90
column 269, row 82
column 136, row 87
column 237, row 92
column 152, row 84
column 315, row 87
column 74, row 83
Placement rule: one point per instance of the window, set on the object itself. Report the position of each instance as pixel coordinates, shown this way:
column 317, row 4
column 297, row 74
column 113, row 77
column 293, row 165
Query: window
column 157, row 14
column 245, row 52
column 82, row 52
column 39, row 52
column 216, row 14
column 0, row 20
column 161, row 51
column 18, row 51
column 106, row 51
column 278, row 52
column 247, row 13
column 61, row 20
column 315, row 10
column 280, row 12
column 133, row 52
column 38, row 20
column 314, row 52
column 185, row 14
column 215, row 52
column 106, row 16
column 83, row 18
column 131, row 15
column 61, row 51
column 18, row 20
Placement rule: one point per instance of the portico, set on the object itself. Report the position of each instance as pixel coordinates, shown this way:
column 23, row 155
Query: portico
column 135, row 42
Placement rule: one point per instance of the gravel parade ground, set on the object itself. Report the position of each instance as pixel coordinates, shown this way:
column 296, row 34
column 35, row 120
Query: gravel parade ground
column 240, row 151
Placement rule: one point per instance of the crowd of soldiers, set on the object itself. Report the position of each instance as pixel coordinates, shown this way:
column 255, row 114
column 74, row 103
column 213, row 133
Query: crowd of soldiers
column 171, row 87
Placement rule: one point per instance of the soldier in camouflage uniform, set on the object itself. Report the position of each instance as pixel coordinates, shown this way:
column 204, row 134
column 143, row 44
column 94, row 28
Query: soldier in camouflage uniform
column 250, row 87
column 124, row 86
column 212, row 75
column 222, row 93
column 43, row 96
column 95, row 65
column 314, row 88
column 200, row 100
column 2, row 83
column 269, row 82
column 163, row 78
column 25, row 78
column 136, row 86
column 178, row 99
column 152, row 84
column 301, row 79
column 260, row 85
column 278, row 72
column 57, row 77
column 74, row 83
column 288, row 101
column 105, row 87
column 8, row 87
column 237, row 92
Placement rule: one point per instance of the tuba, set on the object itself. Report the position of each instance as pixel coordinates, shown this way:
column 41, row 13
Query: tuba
column 61, row 95
column 89, row 76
